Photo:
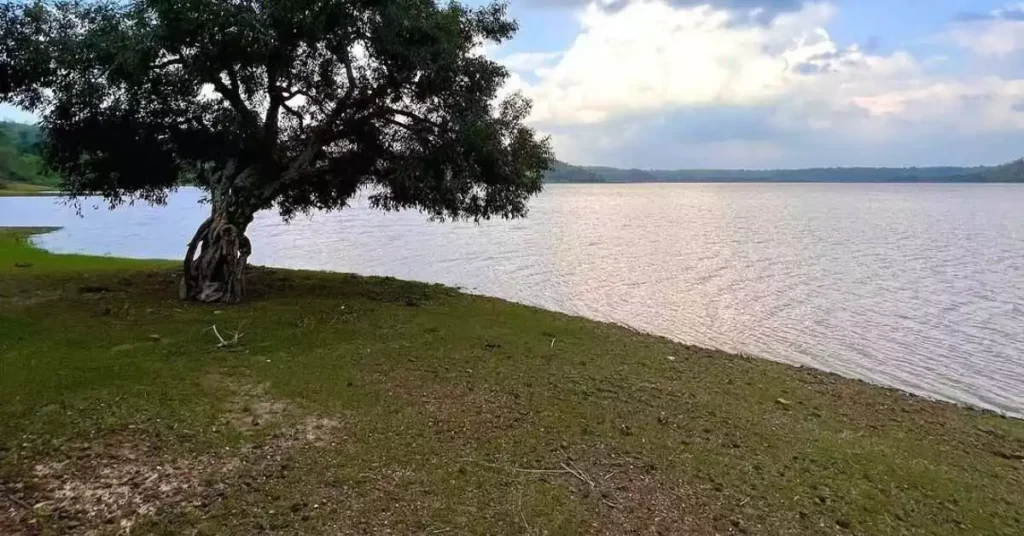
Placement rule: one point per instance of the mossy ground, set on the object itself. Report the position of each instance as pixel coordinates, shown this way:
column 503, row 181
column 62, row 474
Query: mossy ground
column 369, row 405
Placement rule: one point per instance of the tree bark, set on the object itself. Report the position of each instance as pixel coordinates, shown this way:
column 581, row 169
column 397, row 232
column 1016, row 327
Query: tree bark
column 217, row 274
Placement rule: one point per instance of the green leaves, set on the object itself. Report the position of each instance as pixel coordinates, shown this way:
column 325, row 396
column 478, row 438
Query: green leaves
column 289, row 103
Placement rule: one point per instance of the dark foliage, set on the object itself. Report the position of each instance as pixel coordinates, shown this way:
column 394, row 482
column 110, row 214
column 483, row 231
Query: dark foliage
column 289, row 103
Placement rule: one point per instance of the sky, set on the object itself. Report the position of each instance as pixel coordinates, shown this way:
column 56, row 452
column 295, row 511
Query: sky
column 772, row 83
column 768, row 83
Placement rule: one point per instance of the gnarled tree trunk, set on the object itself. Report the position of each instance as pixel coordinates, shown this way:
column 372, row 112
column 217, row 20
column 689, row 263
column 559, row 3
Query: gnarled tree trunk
column 217, row 274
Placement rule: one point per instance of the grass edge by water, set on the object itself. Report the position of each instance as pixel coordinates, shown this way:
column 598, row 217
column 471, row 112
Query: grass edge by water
column 721, row 438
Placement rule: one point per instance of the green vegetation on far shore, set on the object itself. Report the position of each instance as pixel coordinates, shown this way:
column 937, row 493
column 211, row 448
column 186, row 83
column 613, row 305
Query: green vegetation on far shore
column 1012, row 172
column 366, row 405
column 21, row 164
column 21, row 170
column 21, row 189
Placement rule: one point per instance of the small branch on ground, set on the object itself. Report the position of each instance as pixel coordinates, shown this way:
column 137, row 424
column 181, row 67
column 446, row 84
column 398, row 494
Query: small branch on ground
column 225, row 342
column 578, row 473
column 516, row 469
column 20, row 502
column 522, row 515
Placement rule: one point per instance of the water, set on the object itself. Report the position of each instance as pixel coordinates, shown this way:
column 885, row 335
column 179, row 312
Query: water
column 915, row 286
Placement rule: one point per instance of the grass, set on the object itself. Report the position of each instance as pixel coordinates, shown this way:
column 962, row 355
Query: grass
column 371, row 405
column 24, row 189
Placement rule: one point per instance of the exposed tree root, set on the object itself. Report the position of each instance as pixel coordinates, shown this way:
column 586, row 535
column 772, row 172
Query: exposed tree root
column 218, row 273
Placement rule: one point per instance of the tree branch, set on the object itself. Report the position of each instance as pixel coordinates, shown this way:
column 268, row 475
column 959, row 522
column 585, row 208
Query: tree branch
column 270, row 126
column 350, row 75
column 235, row 100
column 168, row 63
column 293, row 112
column 419, row 132
column 411, row 115
column 340, row 105
column 233, row 77
column 302, row 93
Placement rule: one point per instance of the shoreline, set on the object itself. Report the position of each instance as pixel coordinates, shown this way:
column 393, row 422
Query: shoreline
column 6, row 193
column 22, row 189
column 350, row 403
column 935, row 397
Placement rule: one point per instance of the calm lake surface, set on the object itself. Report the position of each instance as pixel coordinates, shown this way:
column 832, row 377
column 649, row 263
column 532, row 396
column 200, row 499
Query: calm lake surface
column 914, row 286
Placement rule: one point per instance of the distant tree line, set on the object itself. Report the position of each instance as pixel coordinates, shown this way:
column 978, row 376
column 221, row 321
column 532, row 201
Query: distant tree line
column 20, row 162
column 20, row 159
column 1010, row 172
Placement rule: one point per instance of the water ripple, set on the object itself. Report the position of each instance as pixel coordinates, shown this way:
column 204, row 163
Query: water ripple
column 915, row 286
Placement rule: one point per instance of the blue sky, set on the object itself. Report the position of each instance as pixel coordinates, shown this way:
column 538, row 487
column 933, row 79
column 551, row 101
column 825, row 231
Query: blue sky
column 773, row 83
column 770, row 83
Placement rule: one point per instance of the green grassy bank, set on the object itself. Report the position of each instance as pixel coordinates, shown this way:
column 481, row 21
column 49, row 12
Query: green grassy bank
column 24, row 189
column 351, row 405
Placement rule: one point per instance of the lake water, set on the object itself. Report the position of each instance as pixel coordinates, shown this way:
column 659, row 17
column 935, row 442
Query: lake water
column 915, row 286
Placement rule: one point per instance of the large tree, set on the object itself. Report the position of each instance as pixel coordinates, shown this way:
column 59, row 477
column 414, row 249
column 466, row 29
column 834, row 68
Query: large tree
column 287, row 104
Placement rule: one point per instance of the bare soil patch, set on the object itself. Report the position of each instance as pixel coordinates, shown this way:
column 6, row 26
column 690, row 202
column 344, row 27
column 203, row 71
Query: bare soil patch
column 108, row 486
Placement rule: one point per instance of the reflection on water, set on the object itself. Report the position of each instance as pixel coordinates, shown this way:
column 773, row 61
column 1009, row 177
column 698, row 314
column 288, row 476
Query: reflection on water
column 915, row 286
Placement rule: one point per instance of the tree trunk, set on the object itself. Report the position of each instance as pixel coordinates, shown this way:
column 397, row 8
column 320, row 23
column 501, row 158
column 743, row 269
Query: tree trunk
column 218, row 273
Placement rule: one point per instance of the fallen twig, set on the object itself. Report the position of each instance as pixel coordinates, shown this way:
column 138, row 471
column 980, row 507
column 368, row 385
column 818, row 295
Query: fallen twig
column 522, row 515
column 552, row 343
column 516, row 469
column 225, row 342
column 20, row 502
column 578, row 473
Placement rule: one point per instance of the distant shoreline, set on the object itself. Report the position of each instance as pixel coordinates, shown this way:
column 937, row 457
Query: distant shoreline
column 14, row 193
column 769, row 181
column 1011, row 172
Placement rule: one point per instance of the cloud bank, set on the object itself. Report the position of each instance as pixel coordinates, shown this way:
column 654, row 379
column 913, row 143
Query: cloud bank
column 685, row 83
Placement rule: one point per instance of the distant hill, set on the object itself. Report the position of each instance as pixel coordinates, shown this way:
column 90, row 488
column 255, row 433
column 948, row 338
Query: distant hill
column 563, row 172
column 20, row 162
column 19, row 156
column 1011, row 172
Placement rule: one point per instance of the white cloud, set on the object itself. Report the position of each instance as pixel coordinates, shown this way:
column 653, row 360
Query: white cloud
column 650, row 56
column 998, row 33
column 530, row 61
column 655, row 59
column 986, row 104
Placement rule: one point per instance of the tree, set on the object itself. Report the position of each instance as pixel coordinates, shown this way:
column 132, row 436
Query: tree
column 293, row 104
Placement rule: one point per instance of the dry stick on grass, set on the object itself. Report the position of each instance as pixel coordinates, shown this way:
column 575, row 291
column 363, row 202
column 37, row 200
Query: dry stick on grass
column 516, row 469
column 20, row 502
column 570, row 468
column 574, row 470
column 223, row 342
column 522, row 515
column 578, row 473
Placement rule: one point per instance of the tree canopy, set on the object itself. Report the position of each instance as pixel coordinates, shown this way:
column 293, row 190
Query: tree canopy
column 293, row 103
